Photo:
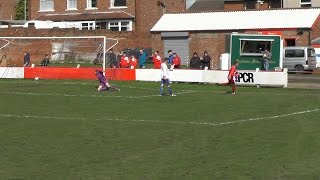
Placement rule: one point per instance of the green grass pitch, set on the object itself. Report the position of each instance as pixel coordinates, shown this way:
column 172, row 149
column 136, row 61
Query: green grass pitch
column 66, row 130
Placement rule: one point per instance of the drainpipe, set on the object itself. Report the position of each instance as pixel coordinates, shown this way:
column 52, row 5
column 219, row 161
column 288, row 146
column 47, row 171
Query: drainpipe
column 25, row 10
column 135, row 16
column 309, row 37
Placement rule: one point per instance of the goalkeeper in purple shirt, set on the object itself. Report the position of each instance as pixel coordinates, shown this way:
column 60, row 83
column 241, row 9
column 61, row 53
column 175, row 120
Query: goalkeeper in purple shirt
column 104, row 84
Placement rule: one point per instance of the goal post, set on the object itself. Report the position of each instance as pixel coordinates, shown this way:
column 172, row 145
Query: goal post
column 62, row 51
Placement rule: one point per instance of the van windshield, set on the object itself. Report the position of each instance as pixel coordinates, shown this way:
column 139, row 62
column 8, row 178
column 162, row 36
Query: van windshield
column 311, row 53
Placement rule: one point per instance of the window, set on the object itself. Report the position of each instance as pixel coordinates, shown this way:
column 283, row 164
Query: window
column 46, row 5
column 290, row 42
column 71, row 4
column 254, row 47
column 120, row 26
column 294, row 53
column 305, row 3
column 275, row 4
column 311, row 53
column 101, row 25
column 92, row 4
column 88, row 25
column 31, row 25
column 250, row 4
column 118, row 3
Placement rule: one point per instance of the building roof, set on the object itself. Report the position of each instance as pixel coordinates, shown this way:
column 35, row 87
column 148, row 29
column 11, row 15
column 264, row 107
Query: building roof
column 315, row 41
column 12, row 22
column 206, row 5
column 86, row 16
column 238, row 20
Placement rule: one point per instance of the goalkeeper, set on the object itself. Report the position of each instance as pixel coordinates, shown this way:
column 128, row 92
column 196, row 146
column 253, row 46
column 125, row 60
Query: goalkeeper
column 104, row 84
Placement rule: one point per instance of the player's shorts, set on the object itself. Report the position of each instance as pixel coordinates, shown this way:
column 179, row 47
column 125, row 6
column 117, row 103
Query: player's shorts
column 231, row 81
column 165, row 81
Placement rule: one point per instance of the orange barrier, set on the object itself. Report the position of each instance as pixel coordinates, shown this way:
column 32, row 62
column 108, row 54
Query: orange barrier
column 77, row 73
column 121, row 74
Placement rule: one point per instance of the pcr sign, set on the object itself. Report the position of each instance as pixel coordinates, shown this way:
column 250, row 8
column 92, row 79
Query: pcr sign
column 245, row 77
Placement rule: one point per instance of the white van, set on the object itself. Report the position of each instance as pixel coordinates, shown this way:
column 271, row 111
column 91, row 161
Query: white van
column 299, row 58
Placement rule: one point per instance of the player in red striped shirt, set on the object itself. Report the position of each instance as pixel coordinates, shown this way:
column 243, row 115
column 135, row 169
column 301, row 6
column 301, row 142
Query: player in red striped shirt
column 232, row 74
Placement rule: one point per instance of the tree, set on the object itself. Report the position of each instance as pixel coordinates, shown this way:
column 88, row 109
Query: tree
column 20, row 9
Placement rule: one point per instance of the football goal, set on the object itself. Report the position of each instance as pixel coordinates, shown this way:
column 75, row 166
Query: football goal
column 61, row 51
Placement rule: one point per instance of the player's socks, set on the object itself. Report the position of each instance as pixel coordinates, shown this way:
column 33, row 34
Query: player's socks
column 170, row 91
column 233, row 89
column 161, row 90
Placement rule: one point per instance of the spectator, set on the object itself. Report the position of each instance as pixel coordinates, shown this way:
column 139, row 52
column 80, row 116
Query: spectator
column 142, row 59
column 205, row 61
column 170, row 57
column 195, row 62
column 176, row 61
column 26, row 59
column 156, row 60
column 45, row 61
column 266, row 59
column 118, row 58
column 3, row 61
column 124, row 61
column 133, row 62
column 111, row 59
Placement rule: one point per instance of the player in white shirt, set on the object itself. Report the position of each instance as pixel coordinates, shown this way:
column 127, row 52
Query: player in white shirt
column 165, row 77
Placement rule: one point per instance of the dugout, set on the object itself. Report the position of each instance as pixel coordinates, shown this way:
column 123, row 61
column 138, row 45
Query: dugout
column 248, row 50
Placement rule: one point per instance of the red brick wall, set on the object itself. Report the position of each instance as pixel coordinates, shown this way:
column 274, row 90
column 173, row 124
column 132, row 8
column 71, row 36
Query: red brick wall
column 7, row 9
column 210, row 42
column 233, row 6
column 315, row 33
column 263, row 6
column 149, row 13
column 157, row 44
column 238, row 6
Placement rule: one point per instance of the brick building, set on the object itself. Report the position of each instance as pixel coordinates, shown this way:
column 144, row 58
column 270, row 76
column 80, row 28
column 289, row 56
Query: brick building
column 7, row 9
column 192, row 32
column 231, row 5
column 135, row 15
column 300, row 3
column 238, row 5
column 129, row 21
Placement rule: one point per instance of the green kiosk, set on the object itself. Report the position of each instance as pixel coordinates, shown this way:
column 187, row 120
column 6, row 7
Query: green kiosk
column 248, row 50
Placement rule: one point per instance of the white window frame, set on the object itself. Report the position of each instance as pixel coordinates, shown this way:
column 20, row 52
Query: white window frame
column 43, row 8
column 91, row 25
column 72, row 8
column 254, row 53
column 129, row 26
column 89, row 5
column 305, row 3
column 116, row 7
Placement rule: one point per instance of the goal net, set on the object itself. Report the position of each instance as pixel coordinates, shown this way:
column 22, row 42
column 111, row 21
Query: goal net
column 62, row 51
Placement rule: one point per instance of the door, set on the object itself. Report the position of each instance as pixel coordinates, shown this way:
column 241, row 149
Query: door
column 311, row 59
column 179, row 45
column 288, row 59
